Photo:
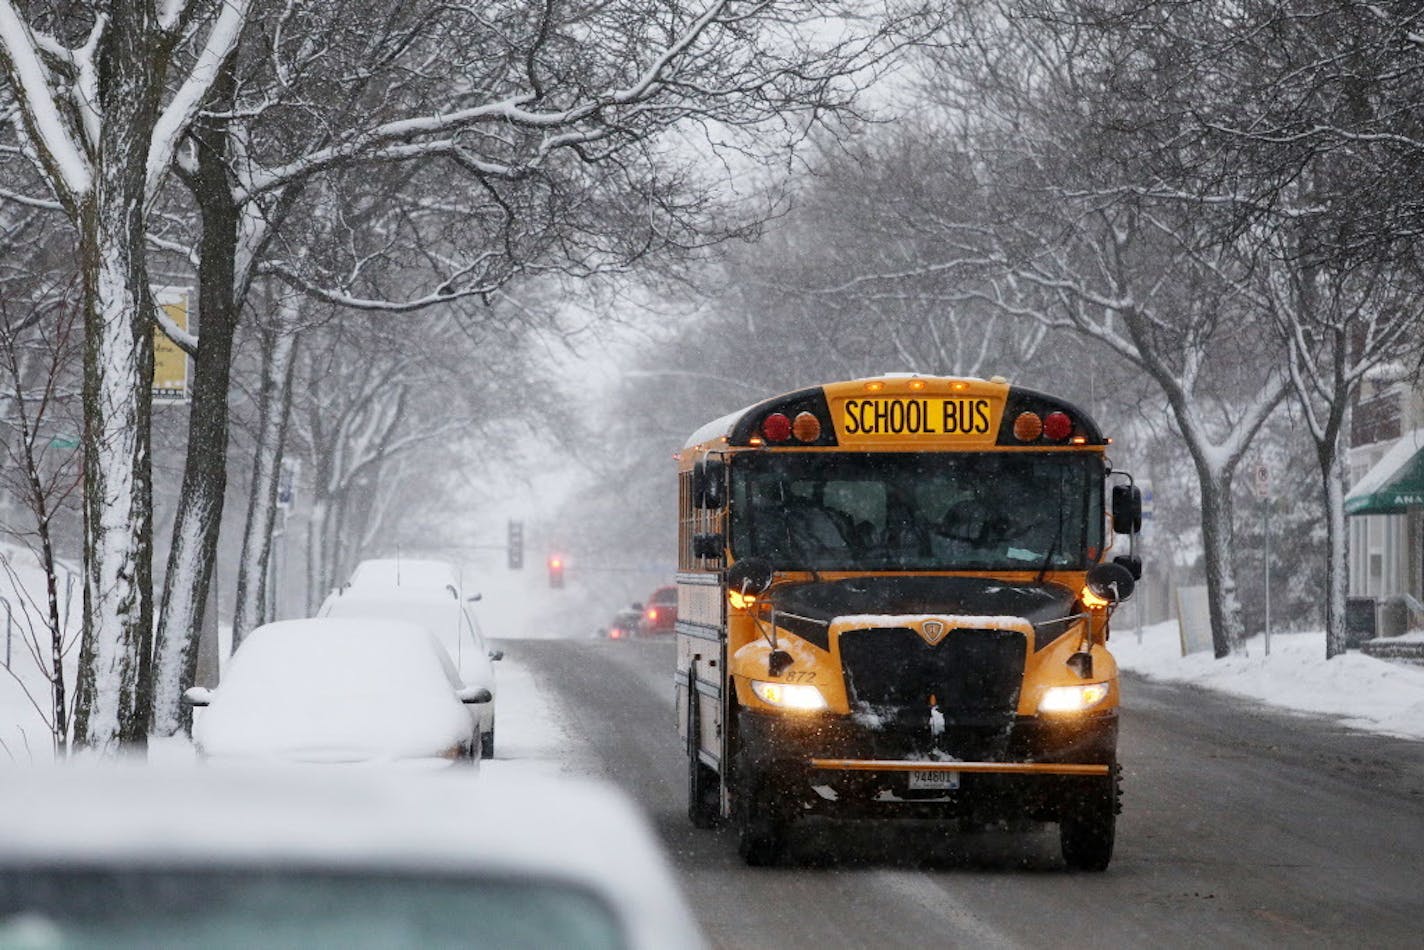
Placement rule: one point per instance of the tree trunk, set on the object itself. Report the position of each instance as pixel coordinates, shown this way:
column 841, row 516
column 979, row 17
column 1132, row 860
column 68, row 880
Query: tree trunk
column 112, row 696
column 1228, row 625
column 1337, row 539
column 279, row 346
column 193, row 553
column 1337, row 577
column 317, row 584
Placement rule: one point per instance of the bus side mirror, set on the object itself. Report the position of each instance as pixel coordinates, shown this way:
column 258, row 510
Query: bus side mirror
column 1111, row 583
column 714, row 473
column 699, row 484
column 707, row 545
column 1132, row 562
column 1126, row 509
column 750, row 575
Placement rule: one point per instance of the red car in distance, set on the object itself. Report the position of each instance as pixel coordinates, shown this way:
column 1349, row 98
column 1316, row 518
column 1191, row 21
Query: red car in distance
column 660, row 611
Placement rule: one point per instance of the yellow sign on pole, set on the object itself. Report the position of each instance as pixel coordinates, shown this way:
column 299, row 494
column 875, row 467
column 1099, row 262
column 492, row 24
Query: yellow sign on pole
column 170, row 363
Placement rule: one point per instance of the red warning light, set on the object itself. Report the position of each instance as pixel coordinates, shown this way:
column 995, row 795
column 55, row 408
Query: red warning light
column 776, row 427
column 1057, row 426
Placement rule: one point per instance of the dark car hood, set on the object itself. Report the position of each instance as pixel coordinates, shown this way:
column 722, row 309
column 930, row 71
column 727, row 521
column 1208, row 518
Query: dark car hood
column 808, row 609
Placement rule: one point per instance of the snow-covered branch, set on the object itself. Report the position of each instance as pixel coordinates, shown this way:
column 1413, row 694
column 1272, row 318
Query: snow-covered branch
column 61, row 155
column 176, row 117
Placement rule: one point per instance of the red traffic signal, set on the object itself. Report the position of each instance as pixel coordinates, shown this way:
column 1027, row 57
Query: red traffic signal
column 556, row 570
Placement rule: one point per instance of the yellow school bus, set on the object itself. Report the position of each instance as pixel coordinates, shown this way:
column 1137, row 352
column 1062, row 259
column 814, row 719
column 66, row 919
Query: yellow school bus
column 893, row 601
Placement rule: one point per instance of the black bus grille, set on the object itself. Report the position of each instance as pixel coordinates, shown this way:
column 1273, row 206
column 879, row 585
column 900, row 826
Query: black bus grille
column 973, row 675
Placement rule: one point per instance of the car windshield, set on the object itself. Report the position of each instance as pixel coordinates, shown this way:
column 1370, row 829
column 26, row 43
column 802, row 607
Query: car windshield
column 918, row 511
column 290, row 908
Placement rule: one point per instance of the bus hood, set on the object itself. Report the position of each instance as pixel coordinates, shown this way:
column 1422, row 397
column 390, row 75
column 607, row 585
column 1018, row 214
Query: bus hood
column 807, row 610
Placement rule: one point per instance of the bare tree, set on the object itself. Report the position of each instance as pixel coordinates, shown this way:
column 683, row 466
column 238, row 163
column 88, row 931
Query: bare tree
column 37, row 356
column 531, row 109
column 1321, row 119
column 280, row 336
column 1062, row 221
column 103, row 94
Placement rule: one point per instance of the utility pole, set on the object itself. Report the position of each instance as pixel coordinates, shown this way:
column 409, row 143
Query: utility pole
column 1263, row 492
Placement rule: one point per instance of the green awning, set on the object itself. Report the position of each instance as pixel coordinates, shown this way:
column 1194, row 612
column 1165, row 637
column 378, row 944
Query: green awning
column 1395, row 484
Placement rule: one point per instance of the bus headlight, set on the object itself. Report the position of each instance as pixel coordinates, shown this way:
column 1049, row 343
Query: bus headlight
column 799, row 696
column 1071, row 699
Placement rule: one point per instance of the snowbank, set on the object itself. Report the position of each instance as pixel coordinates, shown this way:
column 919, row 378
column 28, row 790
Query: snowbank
column 1366, row 693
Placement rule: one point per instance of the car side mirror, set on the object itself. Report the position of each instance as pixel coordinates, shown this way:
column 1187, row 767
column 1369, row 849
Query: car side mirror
column 197, row 696
column 496, row 655
column 474, row 695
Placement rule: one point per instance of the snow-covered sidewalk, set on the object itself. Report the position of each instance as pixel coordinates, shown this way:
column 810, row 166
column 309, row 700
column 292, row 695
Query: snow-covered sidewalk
column 1366, row 693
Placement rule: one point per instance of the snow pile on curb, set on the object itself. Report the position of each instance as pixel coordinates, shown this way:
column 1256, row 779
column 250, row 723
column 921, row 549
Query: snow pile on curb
column 1366, row 693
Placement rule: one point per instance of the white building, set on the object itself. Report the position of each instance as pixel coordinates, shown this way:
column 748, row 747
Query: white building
column 1385, row 503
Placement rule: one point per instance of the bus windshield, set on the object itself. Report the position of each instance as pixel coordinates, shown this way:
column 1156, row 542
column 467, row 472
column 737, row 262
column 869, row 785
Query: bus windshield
column 922, row 511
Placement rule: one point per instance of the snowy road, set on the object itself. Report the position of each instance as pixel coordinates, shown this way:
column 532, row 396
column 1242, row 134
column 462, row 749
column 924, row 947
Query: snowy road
column 1239, row 828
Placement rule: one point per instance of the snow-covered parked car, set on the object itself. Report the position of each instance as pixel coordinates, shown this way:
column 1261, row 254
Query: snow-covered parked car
column 445, row 618
column 407, row 573
column 146, row 856
column 339, row 690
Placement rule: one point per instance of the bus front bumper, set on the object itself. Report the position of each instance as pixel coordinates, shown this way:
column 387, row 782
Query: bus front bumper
column 834, row 766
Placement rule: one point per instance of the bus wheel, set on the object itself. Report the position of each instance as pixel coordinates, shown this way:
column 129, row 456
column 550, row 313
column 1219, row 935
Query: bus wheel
column 704, row 797
column 1088, row 825
column 761, row 826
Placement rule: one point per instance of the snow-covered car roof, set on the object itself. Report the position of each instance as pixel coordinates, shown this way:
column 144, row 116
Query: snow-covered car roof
column 447, row 619
column 336, row 690
column 565, row 831
column 405, row 573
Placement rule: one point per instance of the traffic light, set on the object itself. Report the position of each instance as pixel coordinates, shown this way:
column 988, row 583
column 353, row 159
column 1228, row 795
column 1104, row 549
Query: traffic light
column 556, row 571
column 515, row 545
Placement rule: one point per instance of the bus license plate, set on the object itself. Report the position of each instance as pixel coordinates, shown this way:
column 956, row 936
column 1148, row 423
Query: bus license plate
column 941, row 781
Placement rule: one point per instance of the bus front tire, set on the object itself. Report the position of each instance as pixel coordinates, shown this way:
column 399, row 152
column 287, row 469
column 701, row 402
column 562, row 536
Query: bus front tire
column 761, row 825
column 1088, row 825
